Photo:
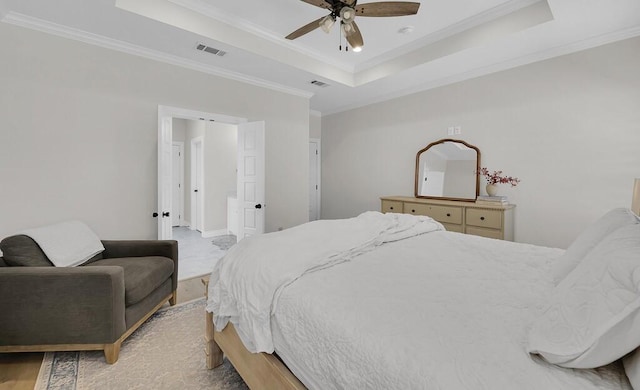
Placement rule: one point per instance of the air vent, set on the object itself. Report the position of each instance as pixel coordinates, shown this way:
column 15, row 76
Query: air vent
column 318, row 83
column 211, row 50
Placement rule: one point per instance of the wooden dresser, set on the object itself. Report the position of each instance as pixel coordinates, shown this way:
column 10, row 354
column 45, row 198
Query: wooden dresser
column 463, row 217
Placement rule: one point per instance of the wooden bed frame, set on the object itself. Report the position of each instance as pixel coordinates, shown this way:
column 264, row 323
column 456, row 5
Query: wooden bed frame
column 266, row 371
column 259, row 370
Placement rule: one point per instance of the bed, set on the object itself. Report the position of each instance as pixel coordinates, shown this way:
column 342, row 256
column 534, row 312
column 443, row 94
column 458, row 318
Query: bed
column 386, row 301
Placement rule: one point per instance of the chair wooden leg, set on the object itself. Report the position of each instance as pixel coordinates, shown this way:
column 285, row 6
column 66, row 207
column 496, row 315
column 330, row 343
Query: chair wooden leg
column 174, row 298
column 112, row 351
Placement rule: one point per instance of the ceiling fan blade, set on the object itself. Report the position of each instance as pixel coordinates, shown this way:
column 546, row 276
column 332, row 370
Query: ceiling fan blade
column 305, row 29
column 387, row 8
column 350, row 3
column 319, row 3
column 355, row 38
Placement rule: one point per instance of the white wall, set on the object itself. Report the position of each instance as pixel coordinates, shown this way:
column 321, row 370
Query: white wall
column 315, row 126
column 79, row 134
column 220, row 160
column 568, row 127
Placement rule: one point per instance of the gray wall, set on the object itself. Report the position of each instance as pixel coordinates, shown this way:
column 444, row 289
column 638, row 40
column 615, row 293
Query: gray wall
column 80, row 128
column 568, row 127
column 315, row 126
column 220, row 174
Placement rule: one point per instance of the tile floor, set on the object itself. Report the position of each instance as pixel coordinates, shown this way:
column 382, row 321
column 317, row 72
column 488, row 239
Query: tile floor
column 197, row 255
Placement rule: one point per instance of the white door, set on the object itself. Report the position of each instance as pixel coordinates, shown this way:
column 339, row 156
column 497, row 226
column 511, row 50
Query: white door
column 177, row 168
column 164, row 177
column 314, row 180
column 251, row 179
column 197, row 184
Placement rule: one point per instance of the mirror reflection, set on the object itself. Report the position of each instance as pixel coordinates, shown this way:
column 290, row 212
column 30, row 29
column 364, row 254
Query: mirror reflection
column 448, row 169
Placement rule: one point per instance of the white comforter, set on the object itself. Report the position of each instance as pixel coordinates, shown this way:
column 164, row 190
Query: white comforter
column 435, row 311
column 245, row 285
column 438, row 311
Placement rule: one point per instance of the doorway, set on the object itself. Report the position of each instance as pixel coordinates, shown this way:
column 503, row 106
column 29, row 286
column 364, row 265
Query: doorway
column 314, row 179
column 177, row 194
column 197, row 184
column 250, row 154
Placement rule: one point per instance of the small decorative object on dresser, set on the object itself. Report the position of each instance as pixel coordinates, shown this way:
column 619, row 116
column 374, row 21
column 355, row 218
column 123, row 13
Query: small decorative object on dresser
column 494, row 220
column 494, row 178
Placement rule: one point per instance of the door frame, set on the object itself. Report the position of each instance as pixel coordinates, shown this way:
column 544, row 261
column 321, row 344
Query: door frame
column 197, row 181
column 180, row 145
column 165, row 138
column 319, row 177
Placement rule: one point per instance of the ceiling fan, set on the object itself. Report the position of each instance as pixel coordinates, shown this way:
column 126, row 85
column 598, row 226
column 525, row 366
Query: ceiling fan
column 347, row 10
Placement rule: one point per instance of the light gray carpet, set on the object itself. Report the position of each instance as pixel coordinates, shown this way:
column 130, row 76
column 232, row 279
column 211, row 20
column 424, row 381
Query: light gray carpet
column 166, row 352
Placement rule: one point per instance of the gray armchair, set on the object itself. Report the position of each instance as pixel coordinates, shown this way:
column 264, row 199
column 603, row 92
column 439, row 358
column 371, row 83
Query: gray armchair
column 95, row 306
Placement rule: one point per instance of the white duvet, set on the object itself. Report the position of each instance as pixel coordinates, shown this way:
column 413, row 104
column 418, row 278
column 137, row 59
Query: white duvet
column 245, row 285
column 438, row 310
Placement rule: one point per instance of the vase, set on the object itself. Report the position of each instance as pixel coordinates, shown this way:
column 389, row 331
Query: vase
column 492, row 189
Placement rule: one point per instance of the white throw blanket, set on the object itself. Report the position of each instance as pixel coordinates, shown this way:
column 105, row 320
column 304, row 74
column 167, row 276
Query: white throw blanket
column 66, row 244
column 245, row 284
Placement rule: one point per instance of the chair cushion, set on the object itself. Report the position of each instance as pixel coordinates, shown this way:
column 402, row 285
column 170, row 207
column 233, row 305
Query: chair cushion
column 142, row 275
column 21, row 250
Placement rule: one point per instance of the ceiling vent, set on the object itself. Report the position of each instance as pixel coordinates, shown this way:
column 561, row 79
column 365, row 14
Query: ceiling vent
column 318, row 83
column 211, row 50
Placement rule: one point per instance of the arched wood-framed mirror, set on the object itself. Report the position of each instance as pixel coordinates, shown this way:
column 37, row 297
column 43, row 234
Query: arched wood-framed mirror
column 448, row 169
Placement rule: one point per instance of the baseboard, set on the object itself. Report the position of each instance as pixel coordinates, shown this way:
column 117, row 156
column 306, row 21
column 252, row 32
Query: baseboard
column 186, row 223
column 214, row 233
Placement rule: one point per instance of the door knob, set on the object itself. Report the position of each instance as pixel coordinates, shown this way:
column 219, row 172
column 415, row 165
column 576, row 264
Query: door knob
column 165, row 214
column 258, row 206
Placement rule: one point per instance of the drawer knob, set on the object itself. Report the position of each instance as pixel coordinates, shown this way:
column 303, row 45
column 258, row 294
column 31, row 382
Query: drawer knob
column 391, row 208
column 482, row 218
column 448, row 214
column 413, row 211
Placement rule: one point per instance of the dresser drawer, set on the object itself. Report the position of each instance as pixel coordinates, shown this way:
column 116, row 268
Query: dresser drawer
column 484, row 218
column 453, row 227
column 444, row 214
column 391, row 206
column 483, row 232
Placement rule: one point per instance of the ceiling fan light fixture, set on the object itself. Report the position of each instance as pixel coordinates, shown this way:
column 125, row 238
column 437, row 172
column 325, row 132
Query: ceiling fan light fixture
column 347, row 29
column 347, row 14
column 357, row 49
column 326, row 23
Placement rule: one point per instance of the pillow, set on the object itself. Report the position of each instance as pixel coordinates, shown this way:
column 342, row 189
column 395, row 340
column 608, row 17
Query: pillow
column 21, row 250
column 589, row 238
column 631, row 364
column 594, row 314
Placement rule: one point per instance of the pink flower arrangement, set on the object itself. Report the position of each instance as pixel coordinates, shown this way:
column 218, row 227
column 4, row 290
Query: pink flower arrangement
column 497, row 178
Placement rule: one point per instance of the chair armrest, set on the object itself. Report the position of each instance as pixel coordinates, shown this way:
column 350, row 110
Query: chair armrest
column 138, row 248
column 49, row 305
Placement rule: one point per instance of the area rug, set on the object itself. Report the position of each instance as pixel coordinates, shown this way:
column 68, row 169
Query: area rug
column 166, row 352
column 224, row 242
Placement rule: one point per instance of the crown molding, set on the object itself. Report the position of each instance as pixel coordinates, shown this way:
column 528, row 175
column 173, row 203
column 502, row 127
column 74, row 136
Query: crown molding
column 29, row 22
column 449, row 31
column 215, row 13
column 542, row 55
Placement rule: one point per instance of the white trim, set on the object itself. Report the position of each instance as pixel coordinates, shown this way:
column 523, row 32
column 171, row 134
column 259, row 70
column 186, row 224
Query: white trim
column 449, row 31
column 30, row 22
column 180, row 145
column 319, row 170
column 315, row 113
column 214, row 233
column 221, row 16
column 186, row 223
column 497, row 67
